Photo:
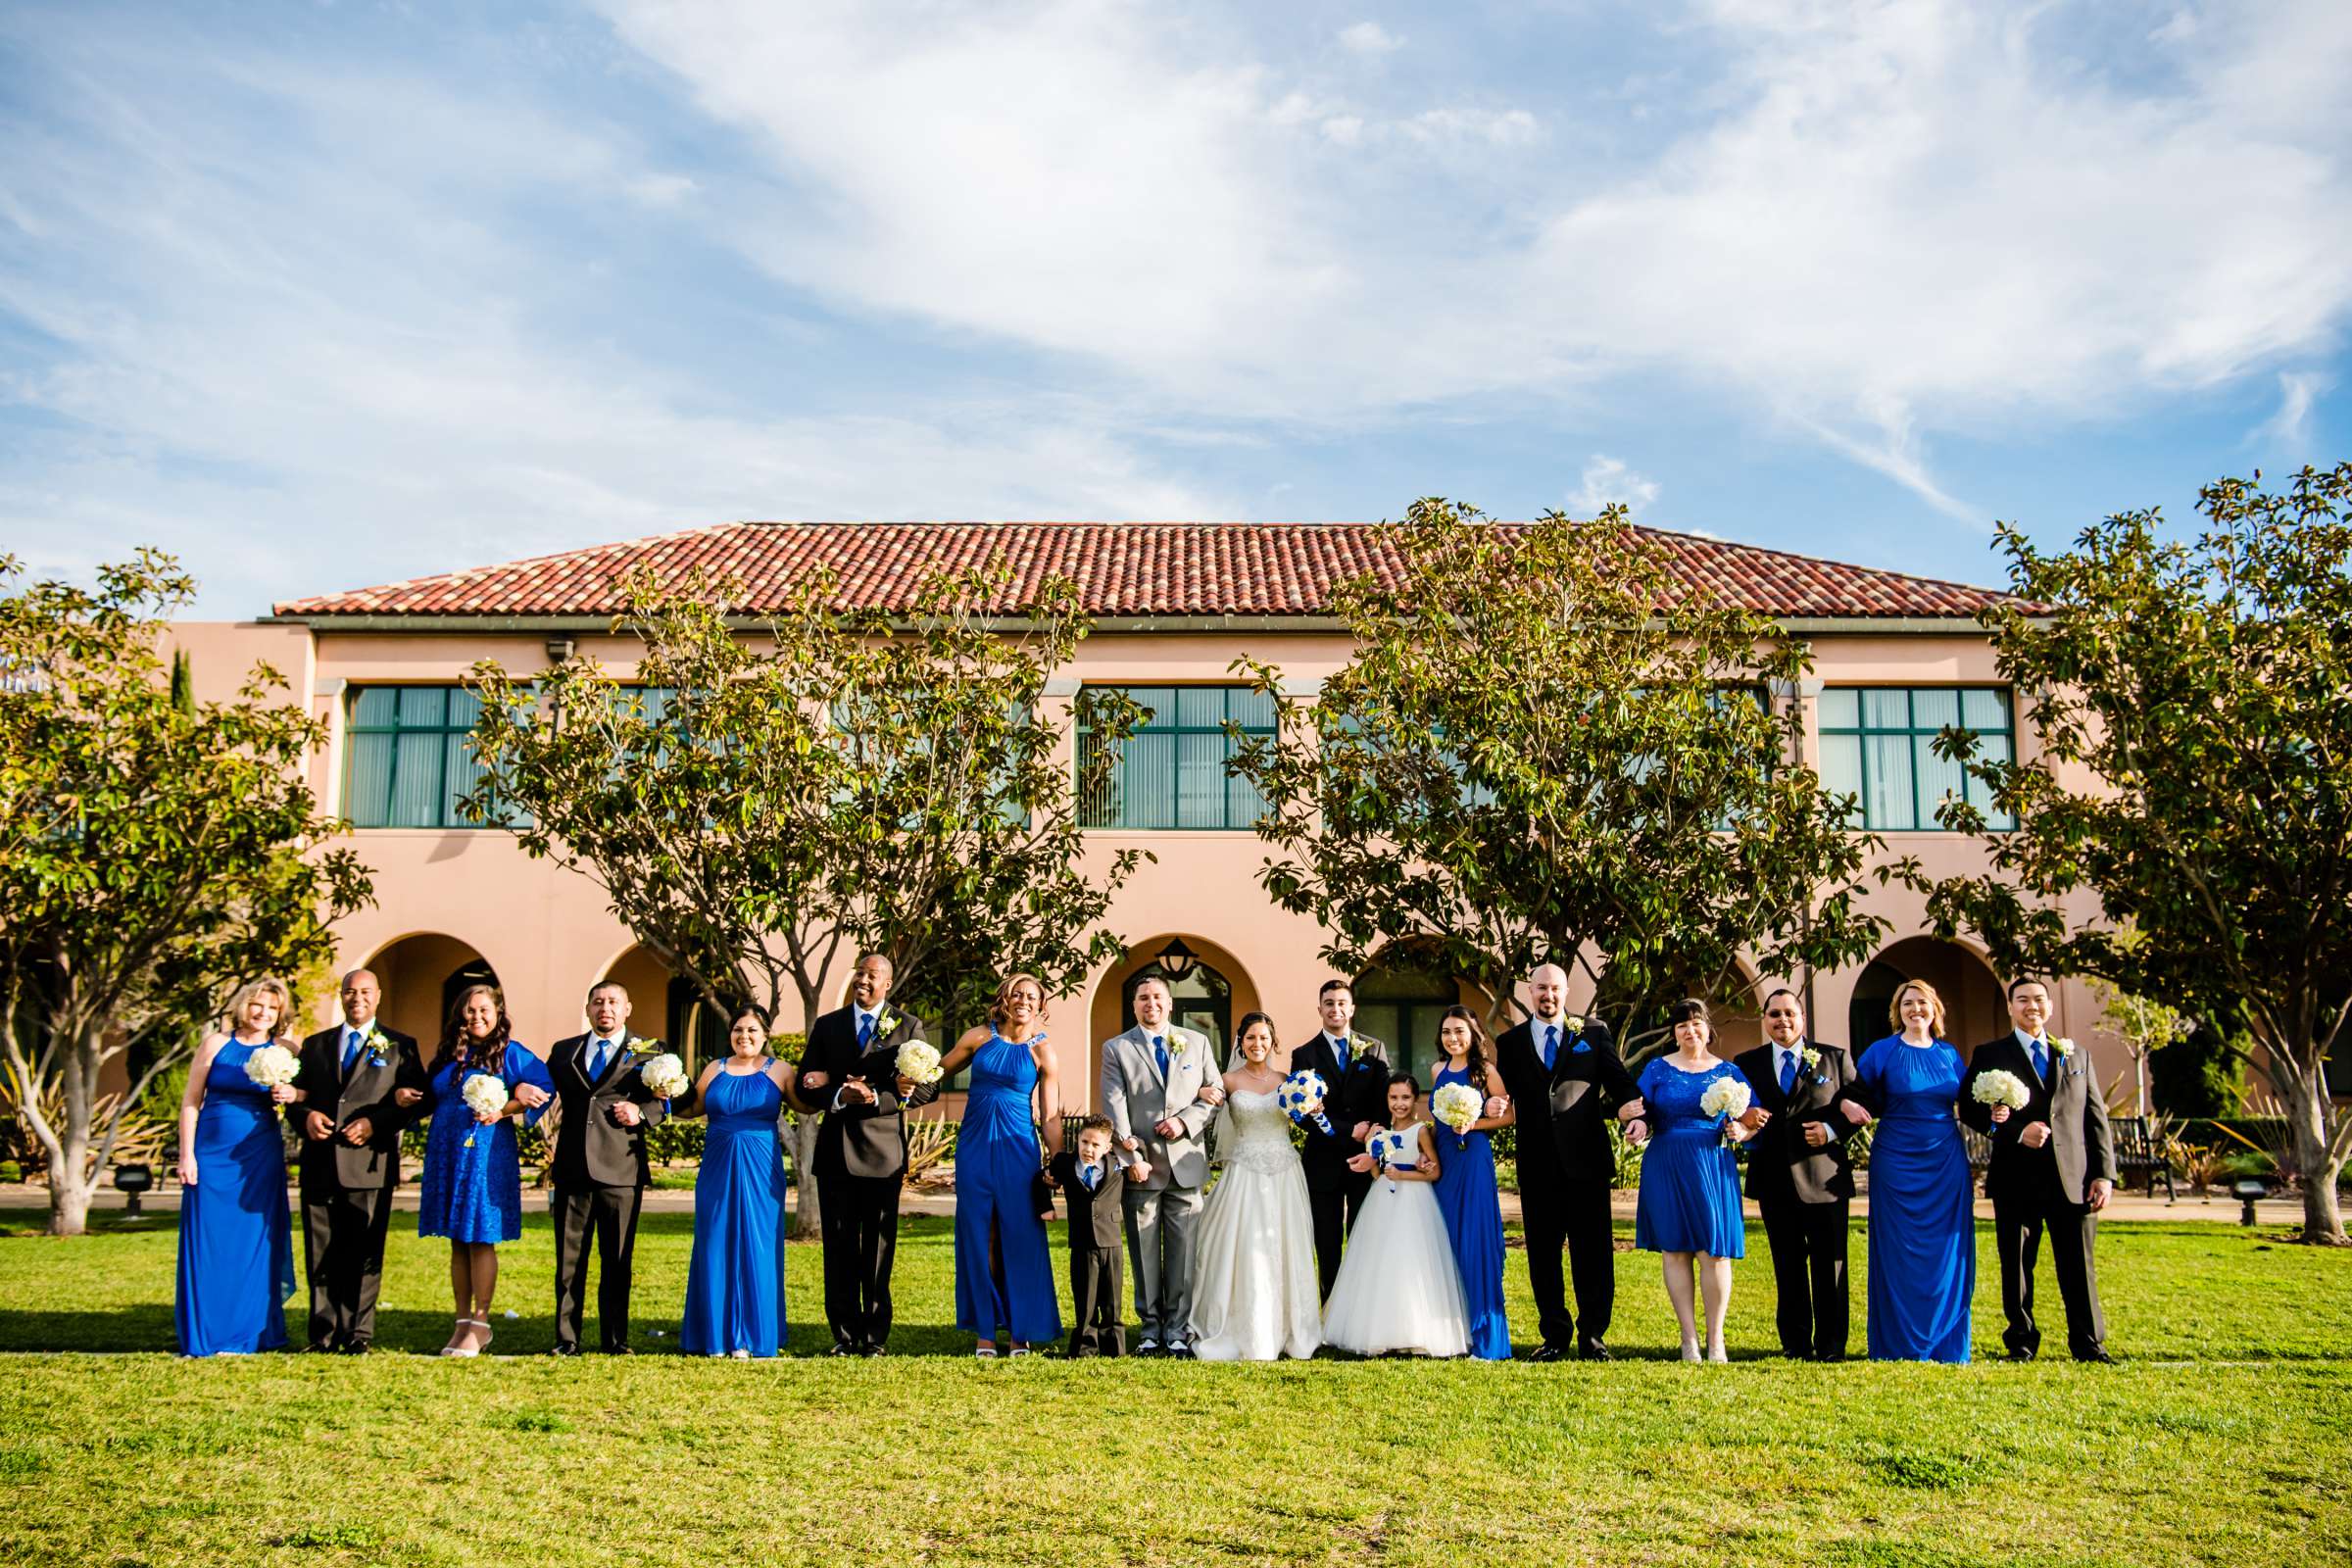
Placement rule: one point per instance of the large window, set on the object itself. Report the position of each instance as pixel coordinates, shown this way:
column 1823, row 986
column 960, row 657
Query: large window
column 411, row 755
column 1401, row 1008
column 1171, row 771
column 1878, row 743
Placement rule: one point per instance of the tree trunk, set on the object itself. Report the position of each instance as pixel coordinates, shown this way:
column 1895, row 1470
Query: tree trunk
column 807, row 1222
column 70, row 1205
column 2308, row 1113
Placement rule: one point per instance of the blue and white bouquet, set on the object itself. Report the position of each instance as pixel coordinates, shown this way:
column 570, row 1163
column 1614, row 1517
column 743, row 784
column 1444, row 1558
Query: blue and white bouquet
column 1301, row 1090
column 1388, row 1147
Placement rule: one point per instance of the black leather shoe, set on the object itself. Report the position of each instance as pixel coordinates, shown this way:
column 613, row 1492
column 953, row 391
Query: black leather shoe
column 2096, row 1355
column 871, row 1350
column 843, row 1350
column 1593, row 1350
column 565, row 1349
column 1831, row 1357
column 1546, row 1353
column 2021, row 1357
column 620, row 1350
column 353, row 1347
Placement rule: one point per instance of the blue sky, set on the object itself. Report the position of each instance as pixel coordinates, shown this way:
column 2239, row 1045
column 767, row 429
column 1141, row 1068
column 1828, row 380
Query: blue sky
column 330, row 295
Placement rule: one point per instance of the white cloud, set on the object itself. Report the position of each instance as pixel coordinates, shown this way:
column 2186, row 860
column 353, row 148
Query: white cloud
column 1607, row 482
column 2289, row 429
column 1506, row 127
column 1369, row 38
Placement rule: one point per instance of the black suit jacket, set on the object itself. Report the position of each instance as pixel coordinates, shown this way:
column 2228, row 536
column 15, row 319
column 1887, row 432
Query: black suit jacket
column 862, row 1140
column 1361, row 1094
column 592, row 1149
column 1098, row 1219
column 1781, row 1164
column 1564, row 1116
column 387, row 1062
column 2081, row 1147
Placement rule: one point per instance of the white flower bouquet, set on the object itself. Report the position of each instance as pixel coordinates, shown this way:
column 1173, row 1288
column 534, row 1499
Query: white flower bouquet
column 918, row 1060
column 1388, row 1147
column 272, row 1066
column 1457, row 1105
column 485, row 1096
column 1997, row 1088
column 1727, row 1098
column 1299, row 1091
column 665, row 1075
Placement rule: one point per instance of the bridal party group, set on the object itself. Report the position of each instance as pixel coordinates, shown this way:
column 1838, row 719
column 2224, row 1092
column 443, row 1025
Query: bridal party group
column 1289, row 1200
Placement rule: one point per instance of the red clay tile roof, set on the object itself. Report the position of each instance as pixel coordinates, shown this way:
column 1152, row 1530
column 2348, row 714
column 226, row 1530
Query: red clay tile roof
column 1121, row 568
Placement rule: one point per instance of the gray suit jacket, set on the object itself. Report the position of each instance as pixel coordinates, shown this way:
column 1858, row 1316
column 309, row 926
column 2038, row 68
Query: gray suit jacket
column 1136, row 1099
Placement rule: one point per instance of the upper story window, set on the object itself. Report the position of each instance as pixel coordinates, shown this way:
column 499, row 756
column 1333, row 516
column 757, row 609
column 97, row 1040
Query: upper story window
column 411, row 755
column 1171, row 771
column 1878, row 743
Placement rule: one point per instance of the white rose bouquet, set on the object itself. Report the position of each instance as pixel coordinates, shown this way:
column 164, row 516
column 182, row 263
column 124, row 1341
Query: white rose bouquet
column 918, row 1060
column 272, row 1067
column 1729, row 1099
column 1995, row 1087
column 1457, row 1105
column 665, row 1075
column 484, row 1095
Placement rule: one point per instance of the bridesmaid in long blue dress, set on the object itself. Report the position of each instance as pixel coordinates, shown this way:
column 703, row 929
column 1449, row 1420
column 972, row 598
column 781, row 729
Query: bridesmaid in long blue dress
column 236, row 1247
column 1003, row 1270
column 734, row 1279
column 1689, row 1202
column 1465, row 1185
column 472, row 1179
column 1923, row 1227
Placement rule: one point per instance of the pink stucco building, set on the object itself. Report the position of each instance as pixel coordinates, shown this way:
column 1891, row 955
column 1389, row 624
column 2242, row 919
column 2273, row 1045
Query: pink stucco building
column 1895, row 659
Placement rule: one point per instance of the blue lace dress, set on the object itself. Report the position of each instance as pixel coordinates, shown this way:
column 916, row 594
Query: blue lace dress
column 1689, row 1198
column 473, row 1178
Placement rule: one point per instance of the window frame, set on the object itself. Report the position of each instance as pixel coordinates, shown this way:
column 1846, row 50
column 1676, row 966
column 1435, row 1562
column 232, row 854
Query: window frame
column 1861, row 731
column 1176, row 733
column 355, row 730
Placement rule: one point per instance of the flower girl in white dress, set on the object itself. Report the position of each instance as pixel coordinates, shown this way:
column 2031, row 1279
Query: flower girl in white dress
column 1398, row 1289
column 1253, row 1276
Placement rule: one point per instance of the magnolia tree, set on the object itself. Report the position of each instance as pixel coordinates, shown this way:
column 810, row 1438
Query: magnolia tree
column 1546, row 745
column 2202, row 690
column 761, row 807
column 156, row 852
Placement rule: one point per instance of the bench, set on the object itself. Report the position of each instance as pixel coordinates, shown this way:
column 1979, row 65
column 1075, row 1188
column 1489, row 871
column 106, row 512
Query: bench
column 2137, row 1154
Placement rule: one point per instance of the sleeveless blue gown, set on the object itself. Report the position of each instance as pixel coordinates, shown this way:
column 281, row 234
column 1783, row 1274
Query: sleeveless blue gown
column 1923, row 1226
column 472, row 1191
column 1689, row 1198
column 734, row 1279
column 236, row 1245
column 1466, row 1196
column 995, row 1162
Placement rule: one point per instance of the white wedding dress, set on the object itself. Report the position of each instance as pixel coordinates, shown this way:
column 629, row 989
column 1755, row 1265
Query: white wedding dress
column 1398, row 1289
column 1254, row 1272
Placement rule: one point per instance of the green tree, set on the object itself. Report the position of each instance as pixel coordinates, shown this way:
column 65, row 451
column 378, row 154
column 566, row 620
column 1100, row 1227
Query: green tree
column 761, row 803
column 156, row 852
column 2197, row 695
column 1547, row 746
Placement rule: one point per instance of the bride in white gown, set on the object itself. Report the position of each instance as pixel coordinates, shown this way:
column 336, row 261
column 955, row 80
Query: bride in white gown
column 1254, row 1292
column 1399, row 1290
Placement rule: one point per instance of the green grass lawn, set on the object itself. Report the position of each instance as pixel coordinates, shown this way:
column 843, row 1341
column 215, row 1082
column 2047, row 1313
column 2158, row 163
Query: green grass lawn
column 2224, row 1437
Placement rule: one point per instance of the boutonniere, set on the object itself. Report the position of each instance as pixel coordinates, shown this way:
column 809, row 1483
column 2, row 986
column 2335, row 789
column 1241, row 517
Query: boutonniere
column 1810, row 1058
column 1574, row 1023
column 1356, row 1043
column 884, row 1022
column 2064, row 1046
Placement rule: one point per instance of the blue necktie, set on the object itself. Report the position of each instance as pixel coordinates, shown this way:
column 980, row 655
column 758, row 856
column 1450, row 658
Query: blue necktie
column 1551, row 1044
column 1160, row 1053
column 596, row 1063
column 1093, row 1177
column 351, row 1049
column 1339, row 1051
column 2041, row 1060
column 866, row 1031
column 1787, row 1071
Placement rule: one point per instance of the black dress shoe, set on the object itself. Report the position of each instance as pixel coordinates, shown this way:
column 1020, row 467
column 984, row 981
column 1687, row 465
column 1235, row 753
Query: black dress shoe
column 843, row 1350
column 620, row 1350
column 1831, row 1357
column 353, row 1347
column 871, row 1350
column 565, row 1349
column 2021, row 1356
column 320, row 1349
column 1546, row 1353
column 2096, row 1355
column 1593, row 1350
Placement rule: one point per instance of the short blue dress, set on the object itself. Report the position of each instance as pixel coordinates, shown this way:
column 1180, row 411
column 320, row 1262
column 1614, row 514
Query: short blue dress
column 1004, row 1269
column 236, row 1247
column 1466, row 1196
column 734, row 1291
column 1690, row 1180
column 472, row 1179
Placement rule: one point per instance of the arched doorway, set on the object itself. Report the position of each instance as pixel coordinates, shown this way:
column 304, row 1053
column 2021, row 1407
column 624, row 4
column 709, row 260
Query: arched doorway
column 1208, row 984
column 665, row 1008
column 1203, row 998
column 421, row 975
column 1973, row 1008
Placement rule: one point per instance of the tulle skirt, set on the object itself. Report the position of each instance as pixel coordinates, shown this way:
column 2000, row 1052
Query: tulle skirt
column 1398, row 1289
column 1254, row 1292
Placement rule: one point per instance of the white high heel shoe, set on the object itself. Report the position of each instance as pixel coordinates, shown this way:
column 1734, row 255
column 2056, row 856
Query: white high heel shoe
column 468, row 1351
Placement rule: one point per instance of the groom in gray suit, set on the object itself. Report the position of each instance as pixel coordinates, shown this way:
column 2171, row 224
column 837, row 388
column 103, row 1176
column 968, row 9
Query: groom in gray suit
column 1153, row 1080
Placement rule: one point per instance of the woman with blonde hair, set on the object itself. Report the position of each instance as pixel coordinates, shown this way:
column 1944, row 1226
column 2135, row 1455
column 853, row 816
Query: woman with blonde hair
column 237, row 1239
column 1004, row 1269
column 1923, row 1230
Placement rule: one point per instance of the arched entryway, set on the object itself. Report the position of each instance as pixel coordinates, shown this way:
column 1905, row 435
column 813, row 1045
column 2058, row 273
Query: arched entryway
column 421, row 975
column 1208, row 983
column 1971, row 993
column 1399, row 1001
column 666, row 1007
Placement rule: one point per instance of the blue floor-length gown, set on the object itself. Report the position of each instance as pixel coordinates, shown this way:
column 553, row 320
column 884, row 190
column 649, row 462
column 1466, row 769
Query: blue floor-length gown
column 1923, row 1231
column 236, row 1246
column 734, row 1280
column 996, row 1164
column 474, row 1192
column 1465, row 1188
column 1689, row 1201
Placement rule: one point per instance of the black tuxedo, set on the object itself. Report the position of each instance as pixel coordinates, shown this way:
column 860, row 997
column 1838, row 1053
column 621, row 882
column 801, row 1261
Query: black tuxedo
column 2033, row 1190
column 1361, row 1094
column 600, row 1177
column 347, row 1190
column 1566, row 1167
column 1803, row 1192
column 1097, row 1232
column 860, row 1164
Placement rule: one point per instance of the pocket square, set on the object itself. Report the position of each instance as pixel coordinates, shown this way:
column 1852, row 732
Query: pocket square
column 1580, row 1047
